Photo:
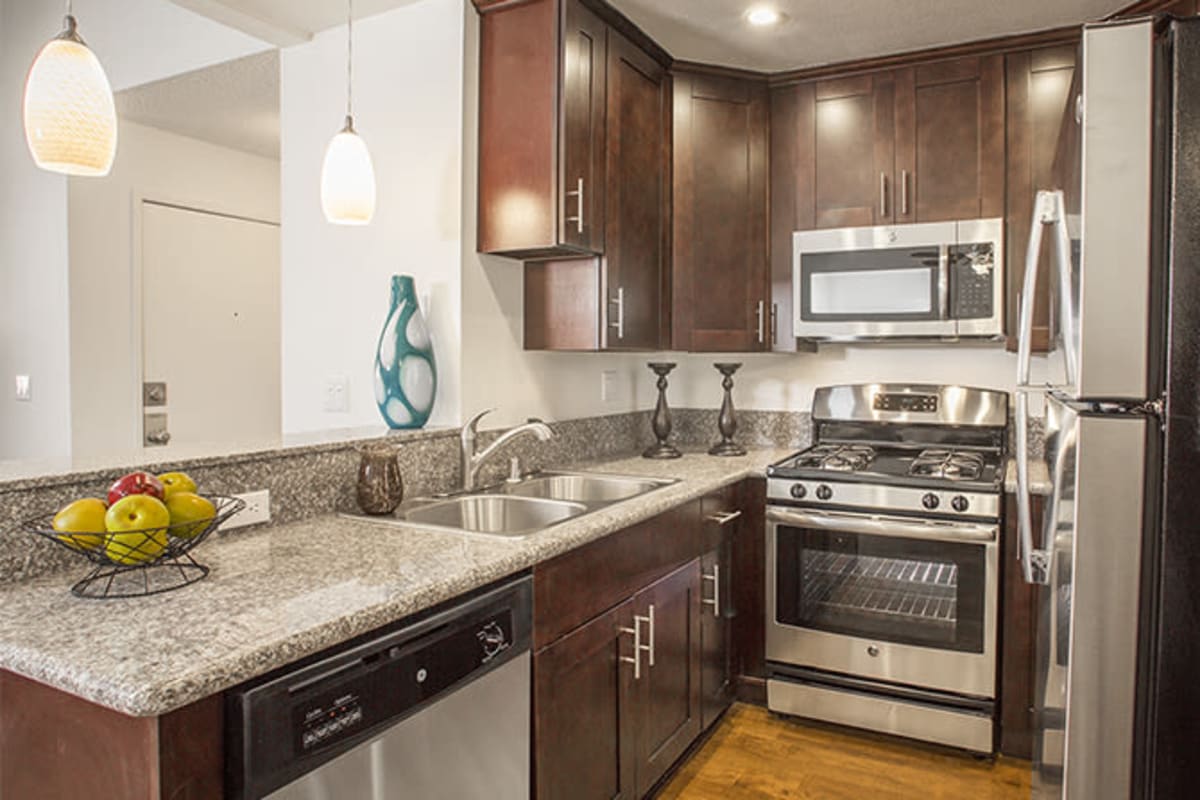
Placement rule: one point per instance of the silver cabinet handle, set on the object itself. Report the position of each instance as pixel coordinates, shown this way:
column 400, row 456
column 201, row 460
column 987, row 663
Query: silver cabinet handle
column 883, row 194
column 774, row 324
column 159, row 437
column 649, row 620
column 636, row 658
column 762, row 311
column 578, row 219
column 619, row 302
column 904, row 193
column 715, row 602
column 723, row 517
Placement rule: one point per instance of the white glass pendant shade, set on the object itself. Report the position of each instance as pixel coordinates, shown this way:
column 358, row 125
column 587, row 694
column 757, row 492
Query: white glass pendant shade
column 348, row 179
column 70, row 117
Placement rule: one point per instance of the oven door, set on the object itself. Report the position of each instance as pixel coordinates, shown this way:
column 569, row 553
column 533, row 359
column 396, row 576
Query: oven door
column 873, row 283
column 906, row 601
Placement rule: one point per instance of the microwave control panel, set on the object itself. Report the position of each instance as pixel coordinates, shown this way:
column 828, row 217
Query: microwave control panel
column 972, row 276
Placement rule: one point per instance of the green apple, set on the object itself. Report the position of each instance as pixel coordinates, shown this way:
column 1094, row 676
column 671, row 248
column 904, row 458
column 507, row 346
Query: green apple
column 176, row 482
column 190, row 513
column 136, row 526
column 84, row 520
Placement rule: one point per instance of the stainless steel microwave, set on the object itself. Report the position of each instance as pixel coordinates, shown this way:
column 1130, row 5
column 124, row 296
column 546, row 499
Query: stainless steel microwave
column 938, row 280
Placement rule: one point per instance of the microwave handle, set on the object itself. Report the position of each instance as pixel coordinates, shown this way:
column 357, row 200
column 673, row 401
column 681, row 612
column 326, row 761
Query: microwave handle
column 943, row 286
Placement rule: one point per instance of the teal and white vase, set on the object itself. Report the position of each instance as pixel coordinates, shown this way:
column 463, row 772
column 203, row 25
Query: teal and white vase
column 405, row 370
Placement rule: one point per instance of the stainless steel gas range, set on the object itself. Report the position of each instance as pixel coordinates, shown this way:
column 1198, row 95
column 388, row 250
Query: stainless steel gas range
column 882, row 542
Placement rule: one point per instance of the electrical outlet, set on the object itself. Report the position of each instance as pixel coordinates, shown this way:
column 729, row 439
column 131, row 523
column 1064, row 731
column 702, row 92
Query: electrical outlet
column 24, row 389
column 608, row 386
column 257, row 510
column 337, row 394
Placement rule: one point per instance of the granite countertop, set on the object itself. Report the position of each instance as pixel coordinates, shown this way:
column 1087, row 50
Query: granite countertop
column 283, row 593
column 1039, row 477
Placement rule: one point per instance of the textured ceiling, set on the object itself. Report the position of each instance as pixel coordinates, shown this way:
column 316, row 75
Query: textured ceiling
column 828, row 31
column 234, row 104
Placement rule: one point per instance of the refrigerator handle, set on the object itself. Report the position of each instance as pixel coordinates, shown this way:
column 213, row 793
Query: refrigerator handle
column 1044, row 212
column 1062, row 257
column 1025, row 545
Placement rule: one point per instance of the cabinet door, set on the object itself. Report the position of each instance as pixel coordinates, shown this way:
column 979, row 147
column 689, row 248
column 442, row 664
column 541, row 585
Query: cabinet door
column 950, row 140
column 852, row 146
column 720, row 277
column 667, row 698
column 716, row 679
column 637, row 185
column 583, row 743
column 581, row 176
column 1040, row 104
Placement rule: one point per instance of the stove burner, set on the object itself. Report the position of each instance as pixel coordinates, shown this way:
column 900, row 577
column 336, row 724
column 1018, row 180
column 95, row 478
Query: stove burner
column 952, row 465
column 838, row 458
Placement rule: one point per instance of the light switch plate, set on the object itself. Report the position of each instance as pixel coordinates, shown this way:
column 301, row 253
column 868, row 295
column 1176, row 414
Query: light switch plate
column 608, row 386
column 24, row 388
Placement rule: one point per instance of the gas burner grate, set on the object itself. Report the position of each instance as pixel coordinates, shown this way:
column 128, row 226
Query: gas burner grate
column 953, row 465
column 837, row 457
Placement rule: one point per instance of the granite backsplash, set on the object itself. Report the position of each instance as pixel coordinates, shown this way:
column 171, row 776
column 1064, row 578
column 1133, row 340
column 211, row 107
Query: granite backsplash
column 309, row 481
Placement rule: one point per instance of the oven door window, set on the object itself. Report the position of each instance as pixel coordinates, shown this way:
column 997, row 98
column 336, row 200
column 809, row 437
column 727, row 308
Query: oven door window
column 908, row 591
column 899, row 284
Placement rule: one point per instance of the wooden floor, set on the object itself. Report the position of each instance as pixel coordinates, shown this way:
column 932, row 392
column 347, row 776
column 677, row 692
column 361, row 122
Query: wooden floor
column 754, row 754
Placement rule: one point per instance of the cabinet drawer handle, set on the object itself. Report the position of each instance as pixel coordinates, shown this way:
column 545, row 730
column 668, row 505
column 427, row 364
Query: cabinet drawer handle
column 636, row 658
column 715, row 602
column 883, row 194
column 619, row 302
column 904, row 193
column 774, row 324
column 762, row 306
column 637, row 623
column 723, row 517
column 578, row 220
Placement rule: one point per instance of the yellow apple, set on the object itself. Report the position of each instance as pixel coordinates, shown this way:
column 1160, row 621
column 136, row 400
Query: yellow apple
column 136, row 529
column 176, row 482
column 84, row 520
column 190, row 513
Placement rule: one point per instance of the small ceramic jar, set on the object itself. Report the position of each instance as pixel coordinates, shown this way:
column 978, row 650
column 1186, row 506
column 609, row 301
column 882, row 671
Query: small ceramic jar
column 380, row 488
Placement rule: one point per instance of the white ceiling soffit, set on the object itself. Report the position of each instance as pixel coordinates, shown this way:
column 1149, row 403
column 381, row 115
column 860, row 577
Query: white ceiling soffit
column 234, row 104
column 286, row 22
column 815, row 32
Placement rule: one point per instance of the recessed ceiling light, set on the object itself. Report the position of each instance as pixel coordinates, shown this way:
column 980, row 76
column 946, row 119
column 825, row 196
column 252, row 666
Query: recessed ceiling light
column 763, row 16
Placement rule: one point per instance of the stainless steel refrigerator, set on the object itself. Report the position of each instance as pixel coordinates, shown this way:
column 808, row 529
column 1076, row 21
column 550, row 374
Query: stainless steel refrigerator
column 1117, row 561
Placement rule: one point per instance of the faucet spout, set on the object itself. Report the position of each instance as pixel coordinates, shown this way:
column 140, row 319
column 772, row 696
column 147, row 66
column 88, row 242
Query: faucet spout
column 472, row 462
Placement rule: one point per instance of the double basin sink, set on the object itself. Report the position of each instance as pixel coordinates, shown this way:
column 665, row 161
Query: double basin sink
column 518, row 509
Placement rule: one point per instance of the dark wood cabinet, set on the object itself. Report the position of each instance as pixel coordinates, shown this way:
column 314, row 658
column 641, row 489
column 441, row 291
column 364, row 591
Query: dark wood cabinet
column 638, row 186
column 720, row 287
column 583, row 692
column 950, row 140
column 1018, row 640
column 1039, row 87
column 665, row 712
column 721, row 519
column 541, row 130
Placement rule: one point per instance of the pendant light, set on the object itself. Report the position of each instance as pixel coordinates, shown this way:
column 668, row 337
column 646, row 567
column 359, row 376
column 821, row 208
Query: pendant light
column 70, row 117
column 347, row 176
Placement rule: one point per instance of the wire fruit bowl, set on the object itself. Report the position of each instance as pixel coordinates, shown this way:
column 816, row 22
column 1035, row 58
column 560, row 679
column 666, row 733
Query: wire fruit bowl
column 141, row 562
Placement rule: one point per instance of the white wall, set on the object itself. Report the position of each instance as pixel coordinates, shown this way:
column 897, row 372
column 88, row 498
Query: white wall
column 33, row 255
column 105, row 247
column 336, row 280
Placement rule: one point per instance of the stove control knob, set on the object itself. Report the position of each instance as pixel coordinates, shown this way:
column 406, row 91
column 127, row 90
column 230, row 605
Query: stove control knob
column 798, row 491
column 824, row 492
column 930, row 501
column 960, row 504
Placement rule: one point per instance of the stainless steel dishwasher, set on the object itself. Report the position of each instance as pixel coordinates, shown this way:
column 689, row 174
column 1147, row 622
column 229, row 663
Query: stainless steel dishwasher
column 439, row 709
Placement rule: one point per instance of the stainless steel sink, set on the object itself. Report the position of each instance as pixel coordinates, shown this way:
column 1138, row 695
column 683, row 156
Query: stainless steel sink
column 497, row 514
column 583, row 488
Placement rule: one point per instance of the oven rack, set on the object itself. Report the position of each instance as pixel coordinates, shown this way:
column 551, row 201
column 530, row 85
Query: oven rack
column 877, row 568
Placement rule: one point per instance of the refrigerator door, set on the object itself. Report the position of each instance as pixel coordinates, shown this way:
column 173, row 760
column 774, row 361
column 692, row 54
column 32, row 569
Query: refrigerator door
column 1088, row 610
column 1109, row 219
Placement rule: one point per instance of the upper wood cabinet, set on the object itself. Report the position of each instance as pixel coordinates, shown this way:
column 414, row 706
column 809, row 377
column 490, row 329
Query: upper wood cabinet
column 1040, row 107
column 721, row 293
column 541, row 130
column 950, row 140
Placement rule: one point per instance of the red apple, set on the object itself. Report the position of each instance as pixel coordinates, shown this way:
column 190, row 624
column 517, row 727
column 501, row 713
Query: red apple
column 135, row 483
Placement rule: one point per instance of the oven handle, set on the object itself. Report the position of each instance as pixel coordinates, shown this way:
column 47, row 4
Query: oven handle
column 896, row 527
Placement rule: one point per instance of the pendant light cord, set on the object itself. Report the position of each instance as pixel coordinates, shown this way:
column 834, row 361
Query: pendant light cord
column 349, row 58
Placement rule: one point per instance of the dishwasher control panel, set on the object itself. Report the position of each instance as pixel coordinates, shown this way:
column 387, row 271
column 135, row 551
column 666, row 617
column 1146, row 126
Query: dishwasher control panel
column 291, row 722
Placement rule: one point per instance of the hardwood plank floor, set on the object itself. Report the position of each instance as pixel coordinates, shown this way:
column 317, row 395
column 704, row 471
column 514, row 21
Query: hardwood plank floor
column 755, row 755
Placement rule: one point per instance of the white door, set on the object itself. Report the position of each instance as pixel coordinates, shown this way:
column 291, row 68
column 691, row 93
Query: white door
column 210, row 324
